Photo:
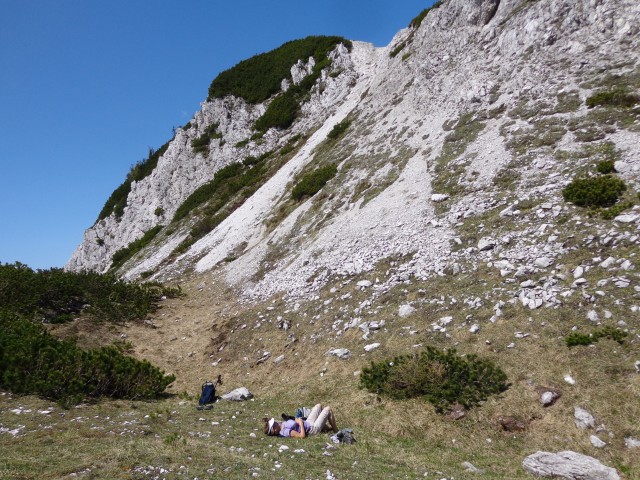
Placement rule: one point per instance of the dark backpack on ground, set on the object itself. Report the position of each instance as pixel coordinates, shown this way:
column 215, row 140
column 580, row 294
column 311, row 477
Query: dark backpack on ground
column 208, row 395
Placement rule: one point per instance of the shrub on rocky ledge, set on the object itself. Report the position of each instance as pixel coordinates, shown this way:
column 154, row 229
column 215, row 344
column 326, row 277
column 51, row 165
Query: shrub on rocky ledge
column 618, row 97
column 311, row 183
column 442, row 377
column 605, row 167
column 603, row 191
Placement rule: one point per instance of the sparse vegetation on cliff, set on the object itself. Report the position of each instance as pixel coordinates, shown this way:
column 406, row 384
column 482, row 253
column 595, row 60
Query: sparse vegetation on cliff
column 118, row 199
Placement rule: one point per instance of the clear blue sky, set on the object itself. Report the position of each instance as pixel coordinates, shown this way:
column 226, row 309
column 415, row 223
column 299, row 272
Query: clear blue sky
column 87, row 86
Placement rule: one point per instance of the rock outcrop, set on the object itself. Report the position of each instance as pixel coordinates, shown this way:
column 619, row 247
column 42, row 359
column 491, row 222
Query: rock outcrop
column 439, row 124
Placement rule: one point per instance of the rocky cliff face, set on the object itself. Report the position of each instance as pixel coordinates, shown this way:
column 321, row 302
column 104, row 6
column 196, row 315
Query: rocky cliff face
column 461, row 135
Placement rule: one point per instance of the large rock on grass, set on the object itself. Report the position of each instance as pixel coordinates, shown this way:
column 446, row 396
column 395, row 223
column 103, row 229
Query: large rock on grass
column 568, row 465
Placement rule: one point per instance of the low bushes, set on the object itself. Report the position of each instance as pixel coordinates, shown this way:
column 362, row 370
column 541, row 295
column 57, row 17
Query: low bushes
column 201, row 144
column 415, row 23
column 206, row 191
column 605, row 167
column 259, row 77
column 34, row 362
column 601, row 191
column 124, row 254
column 338, row 129
column 56, row 296
column 280, row 113
column 441, row 377
column 577, row 338
column 618, row 97
column 228, row 190
column 313, row 182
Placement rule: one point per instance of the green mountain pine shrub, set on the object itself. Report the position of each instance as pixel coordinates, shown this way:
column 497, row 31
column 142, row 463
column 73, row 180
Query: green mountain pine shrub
column 124, row 254
column 618, row 97
column 259, row 77
column 205, row 192
column 34, row 362
column 280, row 113
column 313, row 182
column 201, row 144
column 228, row 190
column 577, row 338
column 441, row 377
column 338, row 129
column 415, row 23
column 602, row 191
column 605, row 167
column 55, row 296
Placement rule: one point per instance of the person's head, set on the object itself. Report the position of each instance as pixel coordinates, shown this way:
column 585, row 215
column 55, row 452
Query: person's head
column 271, row 427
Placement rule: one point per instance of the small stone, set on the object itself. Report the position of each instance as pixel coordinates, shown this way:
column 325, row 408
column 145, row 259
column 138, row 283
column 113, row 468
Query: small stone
column 470, row 468
column 439, row 197
column 341, row 353
column 583, row 419
column 364, row 283
column 542, row 262
column 578, row 272
column 405, row 311
column 569, row 379
column 486, row 243
column 475, row 328
column 512, row 424
column 372, row 346
column 596, row 442
column 548, row 398
column 626, row 218
column 608, row 262
column 632, row 442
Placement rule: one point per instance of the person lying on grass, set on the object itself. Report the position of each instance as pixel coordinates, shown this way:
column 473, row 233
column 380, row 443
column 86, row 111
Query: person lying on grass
column 315, row 423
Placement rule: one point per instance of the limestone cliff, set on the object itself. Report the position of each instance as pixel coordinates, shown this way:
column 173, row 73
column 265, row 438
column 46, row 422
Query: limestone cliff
column 478, row 107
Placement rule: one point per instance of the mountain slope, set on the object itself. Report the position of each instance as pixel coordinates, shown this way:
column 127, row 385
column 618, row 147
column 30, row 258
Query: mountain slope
column 508, row 67
column 445, row 224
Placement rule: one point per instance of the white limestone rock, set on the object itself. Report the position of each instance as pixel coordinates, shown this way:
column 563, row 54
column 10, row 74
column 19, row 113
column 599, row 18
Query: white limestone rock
column 596, row 442
column 341, row 353
column 405, row 310
column 568, row 465
column 238, row 395
column 486, row 243
column 543, row 262
column 548, row 398
column 626, row 218
column 439, row 197
column 583, row 419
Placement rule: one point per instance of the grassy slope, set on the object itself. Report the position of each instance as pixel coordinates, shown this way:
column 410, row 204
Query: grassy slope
column 395, row 439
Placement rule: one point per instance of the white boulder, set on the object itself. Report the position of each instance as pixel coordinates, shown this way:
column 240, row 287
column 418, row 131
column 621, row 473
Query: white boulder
column 568, row 465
